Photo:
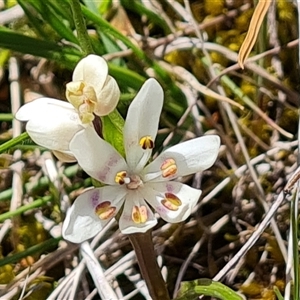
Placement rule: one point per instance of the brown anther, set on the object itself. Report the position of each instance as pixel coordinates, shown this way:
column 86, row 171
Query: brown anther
column 147, row 142
column 120, row 177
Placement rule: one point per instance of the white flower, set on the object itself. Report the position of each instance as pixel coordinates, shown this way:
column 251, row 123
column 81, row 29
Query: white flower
column 92, row 89
column 53, row 123
column 131, row 184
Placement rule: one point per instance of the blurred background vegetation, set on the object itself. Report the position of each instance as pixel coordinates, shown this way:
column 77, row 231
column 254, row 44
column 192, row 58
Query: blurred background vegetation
column 191, row 48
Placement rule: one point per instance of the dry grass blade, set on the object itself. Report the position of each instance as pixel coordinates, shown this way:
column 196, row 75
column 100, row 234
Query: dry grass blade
column 187, row 77
column 254, row 237
column 250, row 39
column 103, row 287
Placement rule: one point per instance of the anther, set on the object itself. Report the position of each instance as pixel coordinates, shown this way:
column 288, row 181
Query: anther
column 168, row 167
column 139, row 214
column 121, row 177
column 146, row 142
column 171, row 202
column 104, row 210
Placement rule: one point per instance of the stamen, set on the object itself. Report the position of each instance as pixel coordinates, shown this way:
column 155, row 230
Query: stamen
column 147, row 142
column 139, row 214
column 121, row 178
column 168, row 167
column 171, row 202
column 104, row 210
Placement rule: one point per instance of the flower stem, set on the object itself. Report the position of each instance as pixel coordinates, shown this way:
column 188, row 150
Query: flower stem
column 143, row 246
column 83, row 37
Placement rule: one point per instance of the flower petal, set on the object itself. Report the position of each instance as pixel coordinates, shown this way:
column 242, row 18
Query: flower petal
column 97, row 157
column 82, row 221
column 142, row 121
column 51, row 123
column 184, row 159
column 92, row 70
column 65, row 156
column 108, row 97
column 135, row 201
column 157, row 194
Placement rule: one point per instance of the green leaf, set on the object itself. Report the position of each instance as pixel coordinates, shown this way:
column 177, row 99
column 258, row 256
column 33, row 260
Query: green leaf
column 110, row 47
column 126, row 77
column 107, row 28
column 66, row 55
column 140, row 9
column 92, row 5
column 63, row 10
column 113, row 130
column 57, row 23
column 42, row 247
column 4, row 56
column 104, row 6
column 277, row 292
column 49, row 16
column 31, row 15
column 192, row 289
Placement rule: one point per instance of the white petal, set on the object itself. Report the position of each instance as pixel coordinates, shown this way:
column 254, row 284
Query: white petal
column 65, row 156
column 51, row 123
column 126, row 224
column 35, row 107
column 155, row 192
column 97, row 157
column 142, row 120
column 92, row 70
column 108, row 98
column 82, row 222
column 190, row 157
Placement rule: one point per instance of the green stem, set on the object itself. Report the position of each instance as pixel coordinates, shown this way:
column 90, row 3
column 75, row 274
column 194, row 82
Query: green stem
column 34, row 188
column 143, row 246
column 83, row 37
column 42, row 247
column 15, row 141
column 6, row 117
column 35, row 204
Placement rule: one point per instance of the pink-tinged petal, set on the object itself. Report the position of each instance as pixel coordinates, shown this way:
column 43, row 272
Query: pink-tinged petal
column 51, row 123
column 134, row 203
column 184, row 159
column 97, row 157
column 92, row 70
column 142, row 123
column 82, row 221
column 174, row 201
column 108, row 98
